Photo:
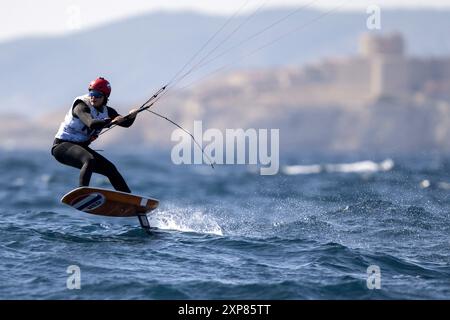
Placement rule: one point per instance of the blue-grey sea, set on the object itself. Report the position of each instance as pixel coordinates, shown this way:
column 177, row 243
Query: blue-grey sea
column 325, row 227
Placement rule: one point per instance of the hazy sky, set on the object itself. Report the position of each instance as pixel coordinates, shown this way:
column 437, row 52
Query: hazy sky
column 30, row 17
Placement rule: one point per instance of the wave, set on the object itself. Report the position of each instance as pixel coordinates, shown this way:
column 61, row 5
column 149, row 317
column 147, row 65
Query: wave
column 354, row 167
column 425, row 184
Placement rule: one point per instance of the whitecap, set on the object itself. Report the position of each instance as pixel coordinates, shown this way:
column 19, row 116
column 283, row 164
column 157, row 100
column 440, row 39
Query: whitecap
column 353, row 167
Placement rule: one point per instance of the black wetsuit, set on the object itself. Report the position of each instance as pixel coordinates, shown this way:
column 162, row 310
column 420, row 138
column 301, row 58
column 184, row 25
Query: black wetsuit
column 79, row 155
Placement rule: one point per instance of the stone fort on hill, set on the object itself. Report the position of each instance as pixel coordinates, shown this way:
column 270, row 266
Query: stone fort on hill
column 382, row 69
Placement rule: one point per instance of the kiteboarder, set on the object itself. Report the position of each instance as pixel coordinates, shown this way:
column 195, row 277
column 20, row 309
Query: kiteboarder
column 87, row 117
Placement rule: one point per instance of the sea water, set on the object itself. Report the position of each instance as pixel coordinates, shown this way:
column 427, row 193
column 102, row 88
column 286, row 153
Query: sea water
column 324, row 227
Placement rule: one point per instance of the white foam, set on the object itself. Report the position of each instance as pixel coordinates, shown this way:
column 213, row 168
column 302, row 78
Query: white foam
column 361, row 166
column 18, row 182
column 354, row 167
column 444, row 185
column 185, row 220
column 425, row 184
column 294, row 170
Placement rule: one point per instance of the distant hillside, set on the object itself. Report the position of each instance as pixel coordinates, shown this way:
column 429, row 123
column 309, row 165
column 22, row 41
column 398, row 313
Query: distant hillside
column 140, row 54
column 387, row 125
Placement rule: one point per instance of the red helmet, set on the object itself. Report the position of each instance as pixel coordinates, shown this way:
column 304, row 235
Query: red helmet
column 102, row 85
